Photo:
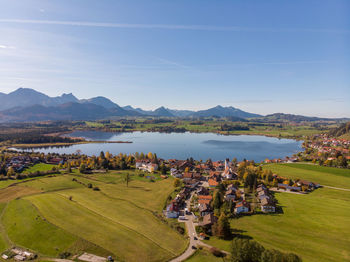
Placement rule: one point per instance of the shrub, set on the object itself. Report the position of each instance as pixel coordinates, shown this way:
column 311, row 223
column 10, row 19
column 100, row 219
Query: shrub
column 216, row 252
column 64, row 255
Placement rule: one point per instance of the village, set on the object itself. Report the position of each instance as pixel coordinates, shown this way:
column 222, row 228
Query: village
column 328, row 151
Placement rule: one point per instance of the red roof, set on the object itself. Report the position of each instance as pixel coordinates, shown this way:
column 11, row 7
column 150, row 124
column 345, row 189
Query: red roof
column 212, row 182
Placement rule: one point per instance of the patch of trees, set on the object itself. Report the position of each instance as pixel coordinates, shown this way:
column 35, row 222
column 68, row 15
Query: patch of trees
column 341, row 130
column 168, row 129
column 11, row 174
column 30, row 138
column 226, row 127
column 247, row 250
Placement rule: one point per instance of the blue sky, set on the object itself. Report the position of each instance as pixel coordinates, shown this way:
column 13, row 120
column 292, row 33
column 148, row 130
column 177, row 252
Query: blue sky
column 260, row 56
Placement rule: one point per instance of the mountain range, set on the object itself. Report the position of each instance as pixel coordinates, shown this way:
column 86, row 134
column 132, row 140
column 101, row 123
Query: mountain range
column 26, row 104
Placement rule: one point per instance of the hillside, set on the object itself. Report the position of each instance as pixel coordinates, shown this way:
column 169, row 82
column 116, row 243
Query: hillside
column 68, row 111
column 220, row 111
column 342, row 131
column 60, row 214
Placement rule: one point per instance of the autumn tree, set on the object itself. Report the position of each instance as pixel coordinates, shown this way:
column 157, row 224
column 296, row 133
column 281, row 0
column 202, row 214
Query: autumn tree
column 177, row 182
column 223, row 229
column 11, row 172
column 127, row 179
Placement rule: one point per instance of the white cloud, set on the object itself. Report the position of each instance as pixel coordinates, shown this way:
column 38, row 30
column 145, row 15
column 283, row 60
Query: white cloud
column 6, row 47
column 173, row 27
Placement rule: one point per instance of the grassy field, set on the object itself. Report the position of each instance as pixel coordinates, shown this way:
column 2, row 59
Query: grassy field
column 27, row 228
column 214, row 126
column 314, row 226
column 329, row 176
column 116, row 220
column 38, row 167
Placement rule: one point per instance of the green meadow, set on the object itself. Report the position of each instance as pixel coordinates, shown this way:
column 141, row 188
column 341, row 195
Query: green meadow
column 328, row 176
column 314, row 226
column 56, row 214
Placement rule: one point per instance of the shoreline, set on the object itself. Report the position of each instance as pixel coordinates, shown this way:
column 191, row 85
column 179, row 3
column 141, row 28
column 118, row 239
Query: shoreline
column 28, row 146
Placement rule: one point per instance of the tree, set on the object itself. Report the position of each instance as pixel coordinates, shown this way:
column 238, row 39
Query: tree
column 11, row 172
column 246, row 250
column 223, row 229
column 127, row 179
column 177, row 182
column 234, row 162
column 69, row 169
column 82, row 168
column 216, row 200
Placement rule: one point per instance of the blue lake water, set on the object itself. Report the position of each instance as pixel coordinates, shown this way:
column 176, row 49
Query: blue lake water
column 184, row 145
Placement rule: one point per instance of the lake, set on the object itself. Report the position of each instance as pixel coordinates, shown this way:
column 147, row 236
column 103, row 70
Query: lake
column 183, row 145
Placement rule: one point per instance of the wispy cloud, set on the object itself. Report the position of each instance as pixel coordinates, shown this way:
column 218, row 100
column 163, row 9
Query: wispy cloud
column 173, row 27
column 173, row 63
column 6, row 47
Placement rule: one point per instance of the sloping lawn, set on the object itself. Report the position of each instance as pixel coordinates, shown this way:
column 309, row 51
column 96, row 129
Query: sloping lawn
column 314, row 226
column 27, row 228
column 329, row 176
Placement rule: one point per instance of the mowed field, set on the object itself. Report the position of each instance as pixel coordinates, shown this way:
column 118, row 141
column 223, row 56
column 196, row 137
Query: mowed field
column 51, row 215
column 328, row 176
column 314, row 226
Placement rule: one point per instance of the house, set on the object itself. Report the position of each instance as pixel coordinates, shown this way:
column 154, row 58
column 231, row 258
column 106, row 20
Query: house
column 230, row 194
column 146, row 166
column 175, row 173
column 241, row 207
column 202, row 191
column 172, row 210
column 204, row 210
column 289, row 188
column 212, row 183
column 267, row 206
column 208, row 220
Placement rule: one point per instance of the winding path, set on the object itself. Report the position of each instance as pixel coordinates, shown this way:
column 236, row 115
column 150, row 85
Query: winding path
column 190, row 225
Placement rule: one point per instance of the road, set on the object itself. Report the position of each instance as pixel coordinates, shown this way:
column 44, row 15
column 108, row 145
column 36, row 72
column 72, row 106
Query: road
column 190, row 225
column 337, row 188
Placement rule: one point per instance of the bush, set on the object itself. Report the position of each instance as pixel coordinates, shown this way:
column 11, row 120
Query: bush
column 64, row 255
column 180, row 230
column 216, row 252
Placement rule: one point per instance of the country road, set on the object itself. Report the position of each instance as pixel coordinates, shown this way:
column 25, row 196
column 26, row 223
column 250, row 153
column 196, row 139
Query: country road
column 336, row 188
column 190, row 225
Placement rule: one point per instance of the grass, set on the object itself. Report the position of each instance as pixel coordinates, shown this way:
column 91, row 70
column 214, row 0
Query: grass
column 13, row 192
column 55, row 183
column 116, row 220
column 125, row 243
column 329, row 176
column 129, row 215
column 314, row 226
column 27, row 228
column 39, row 167
column 149, row 195
column 3, row 242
